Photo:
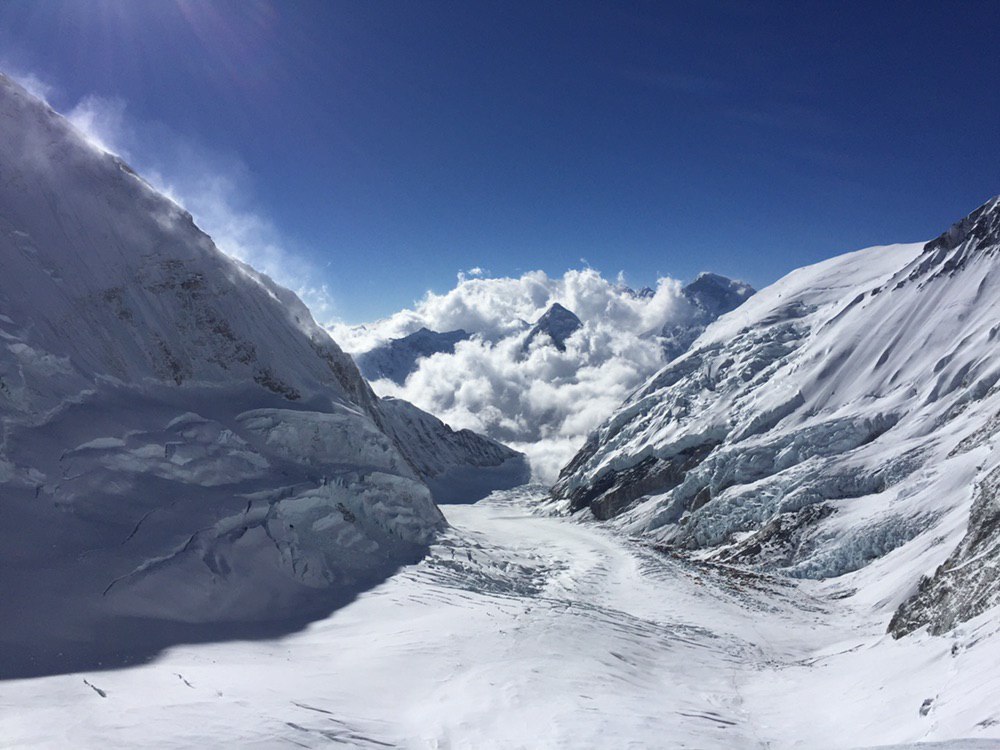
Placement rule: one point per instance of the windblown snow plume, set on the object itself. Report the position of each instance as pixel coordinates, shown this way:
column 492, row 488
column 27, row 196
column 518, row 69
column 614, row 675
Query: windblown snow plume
column 541, row 394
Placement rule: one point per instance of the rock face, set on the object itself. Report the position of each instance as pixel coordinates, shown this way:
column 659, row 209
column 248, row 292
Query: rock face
column 398, row 358
column 557, row 324
column 180, row 444
column 839, row 419
column 968, row 582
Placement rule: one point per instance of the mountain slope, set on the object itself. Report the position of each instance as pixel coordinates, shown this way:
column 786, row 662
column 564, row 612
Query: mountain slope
column 840, row 417
column 709, row 296
column 458, row 466
column 179, row 441
column 397, row 358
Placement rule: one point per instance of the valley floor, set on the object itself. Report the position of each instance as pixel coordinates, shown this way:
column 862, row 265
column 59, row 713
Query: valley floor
column 520, row 631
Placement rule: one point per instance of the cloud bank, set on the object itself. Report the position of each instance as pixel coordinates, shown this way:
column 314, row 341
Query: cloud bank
column 540, row 401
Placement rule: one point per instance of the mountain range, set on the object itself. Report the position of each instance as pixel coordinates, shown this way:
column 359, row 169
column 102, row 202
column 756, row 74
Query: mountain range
column 705, row 299
column 837, row 425
column 801, row 483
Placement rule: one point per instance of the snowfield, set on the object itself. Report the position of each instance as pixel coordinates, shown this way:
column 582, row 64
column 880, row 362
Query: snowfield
column 521, row 631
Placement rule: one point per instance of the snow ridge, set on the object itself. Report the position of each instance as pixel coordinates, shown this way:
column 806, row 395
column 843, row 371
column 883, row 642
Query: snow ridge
column 815, row 429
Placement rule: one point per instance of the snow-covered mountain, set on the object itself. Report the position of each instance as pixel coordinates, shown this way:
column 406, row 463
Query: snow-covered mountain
column 556, row 325
column 179, row 441
column 714, row 295
column 458, row 466
column 840, row 420
column 397, row 358
column 538, row 386
column 710, row 296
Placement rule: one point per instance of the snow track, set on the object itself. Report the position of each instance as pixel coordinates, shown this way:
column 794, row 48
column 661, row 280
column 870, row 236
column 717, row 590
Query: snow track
column 519, row 631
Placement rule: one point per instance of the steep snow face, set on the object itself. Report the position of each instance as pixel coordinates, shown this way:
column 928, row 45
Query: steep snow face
column 179, row 441
column 103, row 276
column 398, row 358
column 967, row 584
column 841, row 416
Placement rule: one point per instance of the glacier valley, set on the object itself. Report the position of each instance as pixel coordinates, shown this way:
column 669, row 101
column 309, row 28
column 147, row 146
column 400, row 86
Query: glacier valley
column 779, row 529
column 519, row 630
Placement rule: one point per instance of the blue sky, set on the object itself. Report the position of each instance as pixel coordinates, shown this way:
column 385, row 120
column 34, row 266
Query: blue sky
column 388, row 145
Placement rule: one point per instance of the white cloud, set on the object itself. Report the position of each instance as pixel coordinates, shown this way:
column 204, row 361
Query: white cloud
column 543, row 401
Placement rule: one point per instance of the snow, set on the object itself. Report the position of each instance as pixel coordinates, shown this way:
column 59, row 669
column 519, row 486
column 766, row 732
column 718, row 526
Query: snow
column 457, row 465
column 814, row 429
column 215, row 534
column 184, row 453
column 525, row 631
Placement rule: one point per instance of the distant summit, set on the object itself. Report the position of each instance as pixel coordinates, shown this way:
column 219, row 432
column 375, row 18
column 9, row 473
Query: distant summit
column 397, row 358
column 716, row 295
column 711, row 296
column 558, row 324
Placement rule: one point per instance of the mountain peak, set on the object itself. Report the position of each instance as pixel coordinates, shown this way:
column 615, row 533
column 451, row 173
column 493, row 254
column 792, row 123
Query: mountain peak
column 558, row 324
column 981, row 226
column 716, row 295
column 555, row 309
column 398, row 358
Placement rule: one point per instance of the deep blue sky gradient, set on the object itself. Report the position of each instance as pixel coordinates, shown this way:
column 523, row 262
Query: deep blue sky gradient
column 395, row 143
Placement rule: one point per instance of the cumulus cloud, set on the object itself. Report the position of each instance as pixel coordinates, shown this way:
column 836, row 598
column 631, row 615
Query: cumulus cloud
column 540, row 400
